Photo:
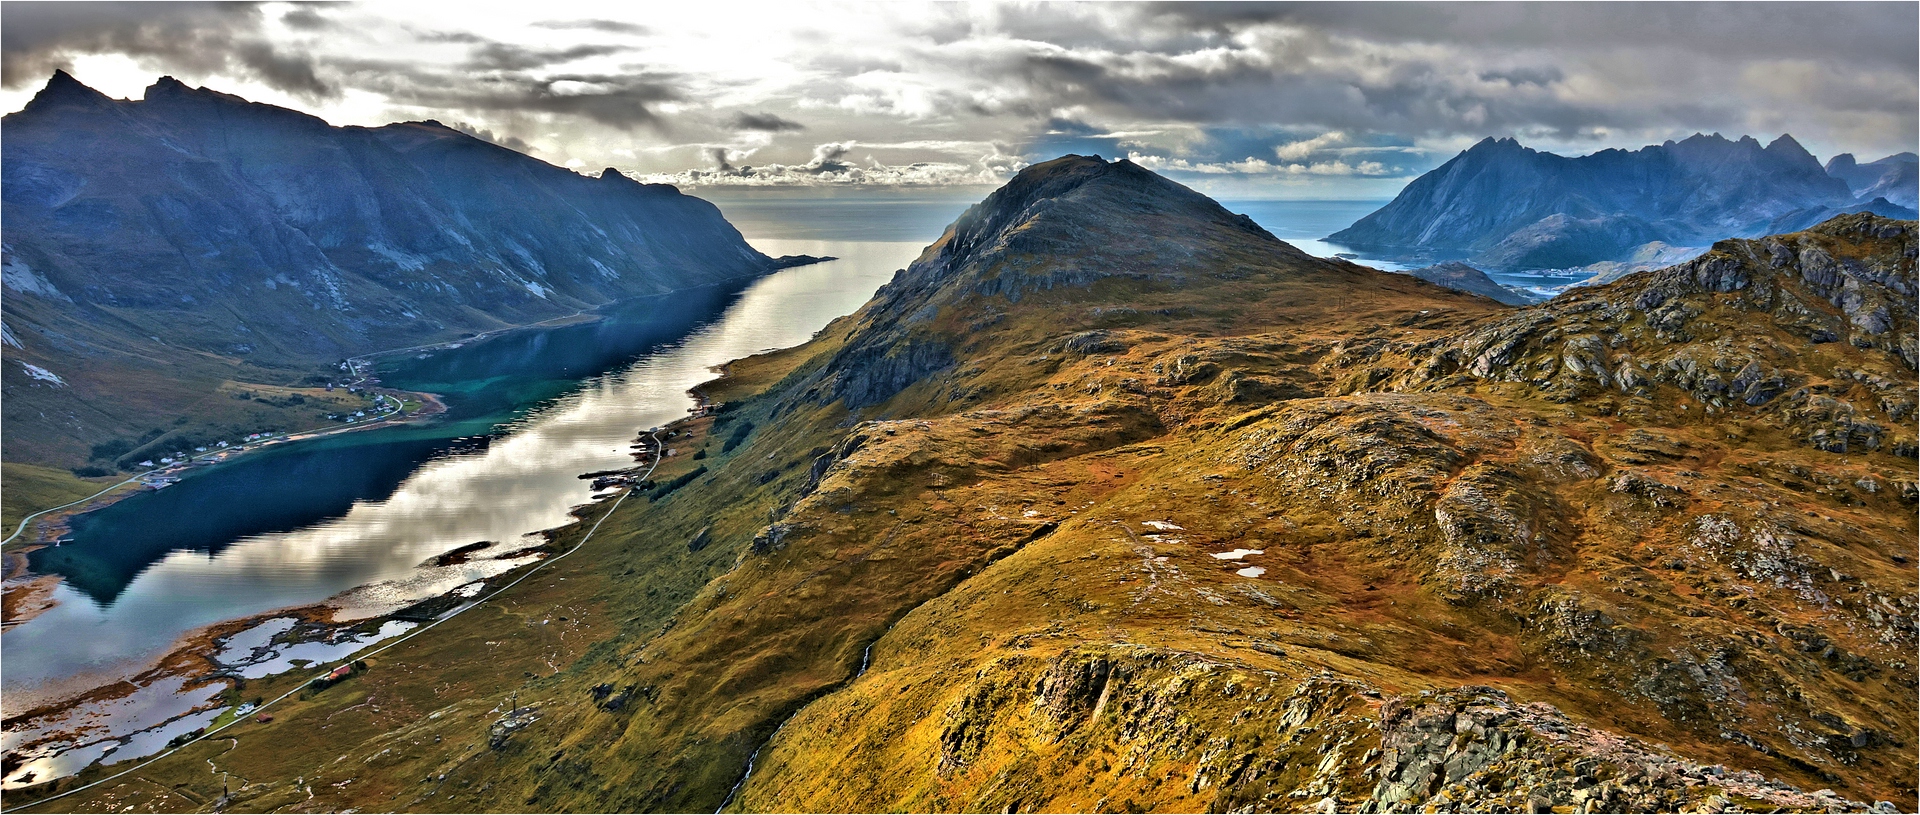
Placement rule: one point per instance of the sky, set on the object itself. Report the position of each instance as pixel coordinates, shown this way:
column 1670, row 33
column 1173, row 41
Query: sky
column 1292, row 100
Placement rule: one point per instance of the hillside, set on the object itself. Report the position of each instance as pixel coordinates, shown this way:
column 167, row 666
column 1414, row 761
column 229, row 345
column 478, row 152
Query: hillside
column 156, row 248
column 1113, row 502
column 1503, row 206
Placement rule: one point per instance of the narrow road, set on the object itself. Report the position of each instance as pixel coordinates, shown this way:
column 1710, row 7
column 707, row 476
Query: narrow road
column 388, row 408
column 29, row 519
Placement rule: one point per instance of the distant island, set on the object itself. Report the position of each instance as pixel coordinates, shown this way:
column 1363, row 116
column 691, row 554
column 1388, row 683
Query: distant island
column 790, row 261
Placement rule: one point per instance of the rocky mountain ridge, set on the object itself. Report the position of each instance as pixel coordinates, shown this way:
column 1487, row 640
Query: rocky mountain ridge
column 1503, row 206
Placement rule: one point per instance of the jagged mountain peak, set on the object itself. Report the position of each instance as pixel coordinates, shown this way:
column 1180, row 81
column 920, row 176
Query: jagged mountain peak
column 63, row 90
column 1788, row 147
column 1514, row 208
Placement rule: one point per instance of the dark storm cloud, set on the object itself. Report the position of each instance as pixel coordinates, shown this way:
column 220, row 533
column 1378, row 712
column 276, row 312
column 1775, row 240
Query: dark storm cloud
column 188, row 38
column 501, row 56
column 1845, row 31
column 763, row 122
column 306, row 18
column 1311, row 80
column 604, row 26
column 621, row 101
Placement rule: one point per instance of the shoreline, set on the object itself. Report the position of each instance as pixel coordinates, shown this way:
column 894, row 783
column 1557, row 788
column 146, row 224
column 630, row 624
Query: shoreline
column 190, row 657
column 36, row 532
column 47, row 526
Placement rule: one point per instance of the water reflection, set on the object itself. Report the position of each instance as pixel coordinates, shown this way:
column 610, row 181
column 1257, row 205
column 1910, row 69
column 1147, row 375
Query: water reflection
column 523, row 481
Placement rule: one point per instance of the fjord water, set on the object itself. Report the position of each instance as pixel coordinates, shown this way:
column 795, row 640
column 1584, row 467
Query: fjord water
column 530, row 411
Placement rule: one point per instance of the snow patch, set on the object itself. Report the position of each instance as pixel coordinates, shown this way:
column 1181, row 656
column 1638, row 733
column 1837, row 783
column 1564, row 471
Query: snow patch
column 19, row 277
column 538, row 290
column 1251, row 571
column 7, row 337
column 1238, row 553
column 399, row 258
column 43, row 374
column 1164, row 526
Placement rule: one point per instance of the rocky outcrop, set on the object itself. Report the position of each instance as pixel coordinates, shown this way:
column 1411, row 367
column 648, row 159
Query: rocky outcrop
column 1475, row 750
column 1730, row 329
column 1237, row 738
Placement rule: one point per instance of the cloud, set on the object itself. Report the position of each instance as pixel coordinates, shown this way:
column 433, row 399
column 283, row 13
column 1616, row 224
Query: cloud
column 992, row 170
column 827, row 158
column 764, row 122
column 1294, row 151
column 305, row 18
column 509, row 142
column 190, row 38
column 500, row 56
column 1344, row 93
column 1259, row 167
column 603, row 26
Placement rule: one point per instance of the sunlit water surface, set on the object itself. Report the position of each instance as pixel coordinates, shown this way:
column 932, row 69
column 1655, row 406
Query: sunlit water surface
column 467, row 483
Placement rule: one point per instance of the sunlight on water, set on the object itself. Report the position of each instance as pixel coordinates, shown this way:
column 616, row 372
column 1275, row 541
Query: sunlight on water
column 522, row 482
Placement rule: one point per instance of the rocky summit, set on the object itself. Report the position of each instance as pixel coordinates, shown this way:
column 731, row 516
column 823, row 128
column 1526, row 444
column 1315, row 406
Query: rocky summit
column 1503, row 206
column 157, row 247
column 1111, row 502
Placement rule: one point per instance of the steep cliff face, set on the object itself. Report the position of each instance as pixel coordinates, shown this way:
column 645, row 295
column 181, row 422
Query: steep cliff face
column 1179, row 519
column 1508, row 207
column 196, row 229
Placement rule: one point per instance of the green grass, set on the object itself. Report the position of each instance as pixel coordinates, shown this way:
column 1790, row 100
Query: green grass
column 27, row 488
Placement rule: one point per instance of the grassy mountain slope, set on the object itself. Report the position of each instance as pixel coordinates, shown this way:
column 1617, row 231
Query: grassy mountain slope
column 1113, row 502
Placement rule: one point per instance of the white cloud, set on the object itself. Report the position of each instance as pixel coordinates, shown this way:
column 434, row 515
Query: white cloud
column 1345, row 93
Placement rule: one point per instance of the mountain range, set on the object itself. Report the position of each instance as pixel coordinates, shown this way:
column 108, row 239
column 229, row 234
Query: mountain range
column 158, row 247
column 1506, row 207
column 1111, row 501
